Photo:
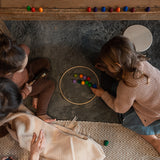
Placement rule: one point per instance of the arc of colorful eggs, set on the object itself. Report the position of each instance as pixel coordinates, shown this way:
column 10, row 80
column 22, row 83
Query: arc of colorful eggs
column 95, row 9
column 85, row 81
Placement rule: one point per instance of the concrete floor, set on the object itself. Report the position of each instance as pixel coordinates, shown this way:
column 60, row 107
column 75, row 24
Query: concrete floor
column 71, row 43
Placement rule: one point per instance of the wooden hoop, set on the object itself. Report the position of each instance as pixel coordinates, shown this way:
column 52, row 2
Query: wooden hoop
column 60, row 82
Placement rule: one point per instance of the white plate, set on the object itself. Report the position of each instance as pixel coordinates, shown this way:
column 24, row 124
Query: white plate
column 140, row 36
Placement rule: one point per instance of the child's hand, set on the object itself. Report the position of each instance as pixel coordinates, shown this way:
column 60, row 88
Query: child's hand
column 29, row 87
column 37, row 145
column 97, row 91
column 26, row 90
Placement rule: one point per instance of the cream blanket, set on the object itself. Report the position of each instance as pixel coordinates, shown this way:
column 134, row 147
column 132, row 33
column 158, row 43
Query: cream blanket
column 61, row 143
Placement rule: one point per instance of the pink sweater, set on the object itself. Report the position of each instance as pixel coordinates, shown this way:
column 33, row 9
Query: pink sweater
column 145, row 98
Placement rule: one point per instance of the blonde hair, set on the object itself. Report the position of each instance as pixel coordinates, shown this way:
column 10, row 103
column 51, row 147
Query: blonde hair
column 121, row 55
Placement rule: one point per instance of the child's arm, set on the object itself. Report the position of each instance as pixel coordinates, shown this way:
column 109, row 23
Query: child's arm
column 34, row 156
column 123, row 101
column 37, row 145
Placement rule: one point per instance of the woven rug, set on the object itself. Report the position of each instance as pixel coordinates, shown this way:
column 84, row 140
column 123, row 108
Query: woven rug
column 123, row 143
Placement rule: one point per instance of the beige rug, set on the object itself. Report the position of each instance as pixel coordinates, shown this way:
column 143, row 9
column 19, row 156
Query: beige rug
column 123, row 143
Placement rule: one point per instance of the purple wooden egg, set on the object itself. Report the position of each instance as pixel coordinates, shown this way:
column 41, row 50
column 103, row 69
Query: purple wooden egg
column 74, row 81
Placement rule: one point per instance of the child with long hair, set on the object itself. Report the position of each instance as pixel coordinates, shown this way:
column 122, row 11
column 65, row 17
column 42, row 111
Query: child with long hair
column 14, row 65
column 10, row 99
column 134, row 93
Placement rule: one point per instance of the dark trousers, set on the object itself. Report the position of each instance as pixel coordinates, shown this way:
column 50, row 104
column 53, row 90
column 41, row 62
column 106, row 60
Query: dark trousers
column 42, row 88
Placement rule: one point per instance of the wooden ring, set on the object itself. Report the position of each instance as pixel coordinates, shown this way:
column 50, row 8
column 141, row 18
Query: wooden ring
column 60, row 82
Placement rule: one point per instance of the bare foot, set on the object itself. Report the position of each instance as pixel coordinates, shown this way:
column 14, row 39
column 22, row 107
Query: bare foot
column 153, row 140
column 156, row 144
column 46, row 118
column 35, row 102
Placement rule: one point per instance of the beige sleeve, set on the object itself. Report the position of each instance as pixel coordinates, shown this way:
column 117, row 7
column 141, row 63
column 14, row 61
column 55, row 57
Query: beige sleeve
column 124, row 100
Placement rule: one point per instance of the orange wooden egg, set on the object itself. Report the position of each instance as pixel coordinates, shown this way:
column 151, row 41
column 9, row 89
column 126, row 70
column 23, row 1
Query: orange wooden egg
column 118, row 9
column 81, row 76
column 82, row 82
column 40, row 9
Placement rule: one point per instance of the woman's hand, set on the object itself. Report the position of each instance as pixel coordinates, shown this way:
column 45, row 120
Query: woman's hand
column 98, row 91
column 37, row 145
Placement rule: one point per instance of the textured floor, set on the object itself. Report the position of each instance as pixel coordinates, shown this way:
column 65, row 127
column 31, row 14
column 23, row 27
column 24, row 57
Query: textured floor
column 71, row 43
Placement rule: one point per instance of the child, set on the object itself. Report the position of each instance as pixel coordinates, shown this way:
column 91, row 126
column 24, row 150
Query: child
column 137, row 95
column 13, row 62
column 10, row 99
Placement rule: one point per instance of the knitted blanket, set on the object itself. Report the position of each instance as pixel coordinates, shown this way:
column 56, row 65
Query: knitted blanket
column 123, row 143
column 62, row 143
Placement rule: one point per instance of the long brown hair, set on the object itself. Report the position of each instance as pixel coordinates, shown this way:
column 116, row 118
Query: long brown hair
column 11, row 55
column 121, row 55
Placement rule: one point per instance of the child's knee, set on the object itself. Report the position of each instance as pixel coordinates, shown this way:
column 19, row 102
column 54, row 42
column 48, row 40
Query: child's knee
column 51, row 84
column 43, row 62
column 47, row 64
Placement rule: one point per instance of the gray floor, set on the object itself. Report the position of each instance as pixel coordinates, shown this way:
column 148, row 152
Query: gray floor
column 71, row 43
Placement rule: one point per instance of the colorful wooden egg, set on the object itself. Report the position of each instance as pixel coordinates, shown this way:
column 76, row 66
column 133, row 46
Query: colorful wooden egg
column 33, row 9
column 40, row 9
column 82, row 82
column 88, row 78
column 81, row 76
column 89, row 9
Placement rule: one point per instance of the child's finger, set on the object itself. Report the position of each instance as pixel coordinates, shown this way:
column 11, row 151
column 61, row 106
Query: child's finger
column 40, row 136
column 43, row 143
column 33, row 138
column 93, row 90
column 43, row 135
column 27, row 84
column 41, row 140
